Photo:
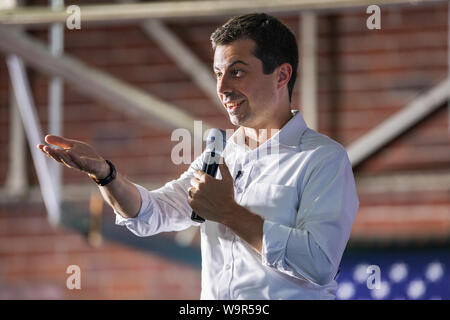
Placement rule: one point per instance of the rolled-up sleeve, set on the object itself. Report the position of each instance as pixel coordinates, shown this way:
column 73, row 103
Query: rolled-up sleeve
column 164, row 209
column 313, row 248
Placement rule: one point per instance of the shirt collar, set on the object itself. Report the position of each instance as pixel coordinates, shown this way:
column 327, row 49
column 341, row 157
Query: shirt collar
column 289, row 135
column 293, row 130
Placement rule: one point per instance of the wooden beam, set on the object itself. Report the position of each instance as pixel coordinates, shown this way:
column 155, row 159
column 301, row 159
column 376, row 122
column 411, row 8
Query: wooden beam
column 39, row 15
column 182, row 55
column 185, row 59
column 389, row 129
column 96, row 84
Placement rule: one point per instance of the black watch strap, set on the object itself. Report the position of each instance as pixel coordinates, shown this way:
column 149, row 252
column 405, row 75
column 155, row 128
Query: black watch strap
column 110, row 177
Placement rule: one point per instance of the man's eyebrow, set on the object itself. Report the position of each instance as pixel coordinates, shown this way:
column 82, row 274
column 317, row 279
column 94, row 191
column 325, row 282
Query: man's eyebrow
column 232, row 64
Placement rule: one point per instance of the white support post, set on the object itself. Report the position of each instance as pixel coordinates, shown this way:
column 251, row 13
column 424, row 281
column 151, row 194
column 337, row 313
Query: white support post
column 34, row 133
column 16, row 180
column 8, row 4
column 55, row 95
column 308, row 67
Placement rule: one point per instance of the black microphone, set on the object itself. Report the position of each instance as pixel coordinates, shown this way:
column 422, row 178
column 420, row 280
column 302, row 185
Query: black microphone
column 215, row 144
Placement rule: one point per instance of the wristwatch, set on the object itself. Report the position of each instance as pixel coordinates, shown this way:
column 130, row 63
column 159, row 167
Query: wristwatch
column 110, row 177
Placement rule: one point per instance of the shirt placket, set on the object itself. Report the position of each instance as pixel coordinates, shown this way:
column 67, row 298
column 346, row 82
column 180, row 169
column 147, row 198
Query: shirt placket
column 228, row 244
column 228, row 266
column 240, row 182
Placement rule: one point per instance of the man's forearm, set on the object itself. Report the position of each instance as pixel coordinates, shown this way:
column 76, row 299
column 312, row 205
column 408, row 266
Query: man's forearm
column 122, row 196
column 246, row 224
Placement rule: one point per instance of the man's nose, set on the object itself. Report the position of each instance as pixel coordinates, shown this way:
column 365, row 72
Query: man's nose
column 223, row 86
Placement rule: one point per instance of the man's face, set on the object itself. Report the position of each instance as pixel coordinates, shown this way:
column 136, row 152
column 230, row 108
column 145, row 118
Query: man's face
column 245, row 91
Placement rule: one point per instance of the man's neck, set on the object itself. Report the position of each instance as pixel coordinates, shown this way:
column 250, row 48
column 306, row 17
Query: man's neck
column 254, row 137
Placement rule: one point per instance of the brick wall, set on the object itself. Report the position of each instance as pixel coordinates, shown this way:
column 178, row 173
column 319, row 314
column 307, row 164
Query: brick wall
column 368, row 75
column 34, row 258
column 365, row 76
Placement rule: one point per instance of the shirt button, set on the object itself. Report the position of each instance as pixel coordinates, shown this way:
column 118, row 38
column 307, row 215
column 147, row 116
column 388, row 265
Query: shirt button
column 239, row 190
column 227, row 267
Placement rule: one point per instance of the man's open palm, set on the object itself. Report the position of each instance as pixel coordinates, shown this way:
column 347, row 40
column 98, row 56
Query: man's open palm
column 75, row 154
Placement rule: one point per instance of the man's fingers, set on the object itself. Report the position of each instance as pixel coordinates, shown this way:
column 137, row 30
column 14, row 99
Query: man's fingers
column 41, row 147
column 58, row 141
column 200, row 175
column 191, row 192
column 74, row 156
column 195, row 182
column 58, row 155
column 68, row 161
column 224, row 171
column 52, row 153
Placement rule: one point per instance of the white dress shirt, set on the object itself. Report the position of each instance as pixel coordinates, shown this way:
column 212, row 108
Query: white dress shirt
column 301, row 182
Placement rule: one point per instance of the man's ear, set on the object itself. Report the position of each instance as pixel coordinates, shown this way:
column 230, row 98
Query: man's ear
column 284, row 75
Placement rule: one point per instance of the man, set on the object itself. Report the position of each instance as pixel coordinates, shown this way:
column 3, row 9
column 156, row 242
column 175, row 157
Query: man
column 278, row 220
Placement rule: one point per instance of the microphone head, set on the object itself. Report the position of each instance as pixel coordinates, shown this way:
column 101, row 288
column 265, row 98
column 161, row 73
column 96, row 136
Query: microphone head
column 216, row 139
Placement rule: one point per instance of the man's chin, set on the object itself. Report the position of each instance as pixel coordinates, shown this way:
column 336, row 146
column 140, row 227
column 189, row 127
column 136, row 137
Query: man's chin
column 236, row 121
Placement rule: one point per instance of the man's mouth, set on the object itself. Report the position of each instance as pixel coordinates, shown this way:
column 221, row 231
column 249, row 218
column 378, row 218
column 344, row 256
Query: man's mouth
column 233, row 106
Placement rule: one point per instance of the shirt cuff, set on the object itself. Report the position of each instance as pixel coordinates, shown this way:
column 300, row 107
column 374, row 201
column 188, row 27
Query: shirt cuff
column 274, row 244
column 144, row 215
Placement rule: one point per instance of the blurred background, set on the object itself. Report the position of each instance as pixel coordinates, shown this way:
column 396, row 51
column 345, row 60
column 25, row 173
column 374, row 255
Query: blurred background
column 131, row 73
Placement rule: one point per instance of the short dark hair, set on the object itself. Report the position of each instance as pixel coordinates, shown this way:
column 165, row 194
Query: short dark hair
column 275, row 42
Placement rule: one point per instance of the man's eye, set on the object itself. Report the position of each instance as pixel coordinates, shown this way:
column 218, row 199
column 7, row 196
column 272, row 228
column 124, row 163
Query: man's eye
column 218, row 75
column 237, row 73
